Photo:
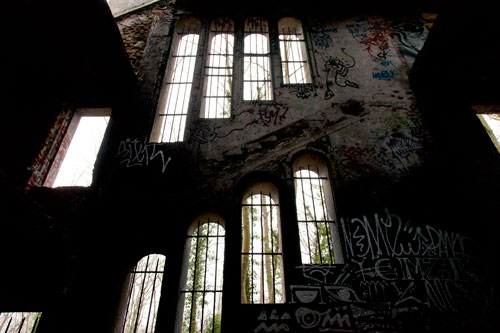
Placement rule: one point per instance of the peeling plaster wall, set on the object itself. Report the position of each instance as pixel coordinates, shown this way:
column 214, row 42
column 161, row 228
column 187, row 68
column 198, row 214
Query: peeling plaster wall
column 361, row 114
column 411, row 264
column 360, row 103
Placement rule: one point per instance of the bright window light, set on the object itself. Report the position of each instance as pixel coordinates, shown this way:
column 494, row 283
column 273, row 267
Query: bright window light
column 319, row 240
column 219, row 70
column 19, row 322
column 202, row 294
column 173, row 106
column 144, row 295
column 257, row 83
column 262, row 280
column 490, row 118
column 293, row 52
column 74, row 162
column 491, row 122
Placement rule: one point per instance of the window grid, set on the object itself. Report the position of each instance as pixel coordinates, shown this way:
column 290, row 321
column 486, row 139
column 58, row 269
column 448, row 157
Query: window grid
column 313, row 218
column 219, row 70
column 257, row 82
column 293, row 52
column 204, row 290
column 178, row 87
column 144, row 295
column 19, row 322
column 258, row 207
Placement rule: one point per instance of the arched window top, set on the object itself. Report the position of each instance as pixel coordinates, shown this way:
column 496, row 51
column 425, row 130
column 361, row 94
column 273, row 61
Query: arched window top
column 144, row 291
column 188, row 25
column 221, row 25
column 262, row 188
column 256, row 44
column 311, row 162
column 188, row 45
column 290, row 25
column 207, row 224
column 256, row 25
column 151, row 263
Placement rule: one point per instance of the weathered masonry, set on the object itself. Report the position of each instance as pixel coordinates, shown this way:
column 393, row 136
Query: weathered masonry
column 190, row 166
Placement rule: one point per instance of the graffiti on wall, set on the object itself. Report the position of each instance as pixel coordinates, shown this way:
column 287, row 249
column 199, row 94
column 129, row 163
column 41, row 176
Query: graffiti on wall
column 320, row 35
column 411, row 36
column 374, row 35
column 265, row 114
column 304, row 91
column 136, row 153
column 394, row 269
column 337, row 70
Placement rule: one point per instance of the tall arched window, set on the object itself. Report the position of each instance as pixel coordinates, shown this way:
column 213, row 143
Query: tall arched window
column 219, row 70
column 315, row 212
column 294, row 60
column 144, row 295
column 257, row 83
column 202, row 295
column 261, row 254
column 173, row 106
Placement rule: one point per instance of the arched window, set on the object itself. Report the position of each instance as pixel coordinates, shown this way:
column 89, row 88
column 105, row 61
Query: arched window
column 315, row 212
column 219, row 70
column 294, row 63
column 173, row 106
column 202, row 295
column 144, row 295
column 257, row 83
column 261, row 255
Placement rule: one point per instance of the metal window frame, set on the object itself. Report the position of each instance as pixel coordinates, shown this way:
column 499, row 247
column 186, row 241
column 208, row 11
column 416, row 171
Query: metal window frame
column 285, row 29
column 185, row 292
column 263, row 254
column 206, row 99
column 260, row 28
column 133, row 275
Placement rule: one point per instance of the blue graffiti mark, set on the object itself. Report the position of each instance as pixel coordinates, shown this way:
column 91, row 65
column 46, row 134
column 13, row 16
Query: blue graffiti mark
column 385, row 75
column 387, row 63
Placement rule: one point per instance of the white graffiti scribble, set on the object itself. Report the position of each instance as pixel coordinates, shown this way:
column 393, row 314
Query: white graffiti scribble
column 140, row 153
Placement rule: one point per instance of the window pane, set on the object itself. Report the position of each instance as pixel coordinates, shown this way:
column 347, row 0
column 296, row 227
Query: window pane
column 491, row 121
column 262, row 278
column 203, row 291
column 173, row 108
column 78, row 163
column 294, row 59
column 257, row 82
column 19, row 322
column 219, row 71
column 315, row 232
column 144, row 295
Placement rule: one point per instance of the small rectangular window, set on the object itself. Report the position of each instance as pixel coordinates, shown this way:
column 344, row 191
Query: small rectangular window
column 294, row 63
column 75, row 159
